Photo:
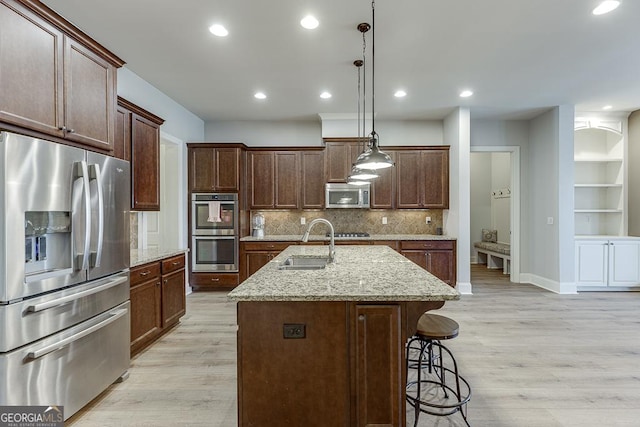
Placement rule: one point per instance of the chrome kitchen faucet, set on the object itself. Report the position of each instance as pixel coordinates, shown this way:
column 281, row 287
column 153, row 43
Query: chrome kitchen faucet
column 332, row 243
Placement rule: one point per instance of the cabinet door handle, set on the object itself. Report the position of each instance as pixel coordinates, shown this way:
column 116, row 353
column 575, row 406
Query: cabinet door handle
column 145, row 273
column 361, row 317
column 175, row 263
column 215, row 279
column 166, row 281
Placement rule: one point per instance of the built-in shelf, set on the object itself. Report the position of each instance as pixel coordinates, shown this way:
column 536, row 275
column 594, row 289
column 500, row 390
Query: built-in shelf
column 598, row 185
column 598, row 211
column 600, row 176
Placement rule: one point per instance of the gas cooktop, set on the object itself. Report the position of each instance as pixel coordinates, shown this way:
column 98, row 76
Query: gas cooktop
column 349, row 234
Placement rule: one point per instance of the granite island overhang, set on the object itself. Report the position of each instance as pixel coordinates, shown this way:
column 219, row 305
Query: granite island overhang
column 326, row 347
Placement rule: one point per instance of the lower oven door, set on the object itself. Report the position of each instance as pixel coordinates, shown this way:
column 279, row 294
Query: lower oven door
column 214, row 253
column 69, row 368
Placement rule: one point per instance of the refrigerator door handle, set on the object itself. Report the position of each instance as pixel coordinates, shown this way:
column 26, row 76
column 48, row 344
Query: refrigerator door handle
column 82, row 258
column 69, row 298
column 96, row 175
column 114, row 315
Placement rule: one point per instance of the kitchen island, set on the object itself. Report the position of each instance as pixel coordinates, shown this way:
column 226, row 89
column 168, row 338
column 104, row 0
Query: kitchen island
column 326, row 347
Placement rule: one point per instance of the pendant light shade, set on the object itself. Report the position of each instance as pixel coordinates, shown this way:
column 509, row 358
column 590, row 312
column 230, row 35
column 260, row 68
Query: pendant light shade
column 362, row 174
column 372, row 157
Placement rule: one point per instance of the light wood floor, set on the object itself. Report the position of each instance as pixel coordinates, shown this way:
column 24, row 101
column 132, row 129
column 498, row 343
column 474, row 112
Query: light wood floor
column 533, row 358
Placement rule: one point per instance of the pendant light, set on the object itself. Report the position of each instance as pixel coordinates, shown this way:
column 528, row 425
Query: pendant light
column 374, row 158
column 361, row 176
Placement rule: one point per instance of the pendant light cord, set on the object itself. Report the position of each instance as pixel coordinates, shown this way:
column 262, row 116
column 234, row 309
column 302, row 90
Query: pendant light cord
column 373, row 72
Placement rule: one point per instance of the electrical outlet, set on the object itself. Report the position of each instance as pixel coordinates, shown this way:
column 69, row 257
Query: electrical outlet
column 549, row 220
column 294, row 330
column 303, row 220
column 428, row 220
column 384, row 220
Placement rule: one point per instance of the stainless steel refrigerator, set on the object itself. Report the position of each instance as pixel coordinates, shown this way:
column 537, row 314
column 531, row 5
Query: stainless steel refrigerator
column 64, row 272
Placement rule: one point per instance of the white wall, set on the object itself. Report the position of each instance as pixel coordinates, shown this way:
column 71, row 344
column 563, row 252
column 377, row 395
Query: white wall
column 179, row 122
column 262, row 133
column 551, row 197
column 457, row 218
column 310, row 133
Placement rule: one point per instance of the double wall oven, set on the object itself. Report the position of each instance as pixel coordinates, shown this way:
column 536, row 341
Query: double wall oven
column 214, row 232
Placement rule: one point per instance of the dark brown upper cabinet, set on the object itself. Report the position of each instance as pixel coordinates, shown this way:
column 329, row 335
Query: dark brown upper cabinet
column 422, row 178
column 214, row 168
column 139, row 131
column 273, row 179
column 54, row 79
column 312, row 179
column 340, row 154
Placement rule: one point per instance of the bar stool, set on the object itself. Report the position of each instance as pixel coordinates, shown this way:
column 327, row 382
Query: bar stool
column 430, row 392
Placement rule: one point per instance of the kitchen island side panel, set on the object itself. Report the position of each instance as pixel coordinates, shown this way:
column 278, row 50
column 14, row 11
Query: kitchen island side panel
column 293, row 381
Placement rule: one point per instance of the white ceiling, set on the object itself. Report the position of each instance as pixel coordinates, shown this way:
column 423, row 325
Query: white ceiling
column 520, row 57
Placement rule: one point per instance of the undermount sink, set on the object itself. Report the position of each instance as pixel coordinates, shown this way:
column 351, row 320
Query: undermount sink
column 305, row 262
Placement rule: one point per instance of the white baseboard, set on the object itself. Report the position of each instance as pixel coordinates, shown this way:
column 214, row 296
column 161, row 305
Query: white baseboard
column 550, row 285
column 464, row 288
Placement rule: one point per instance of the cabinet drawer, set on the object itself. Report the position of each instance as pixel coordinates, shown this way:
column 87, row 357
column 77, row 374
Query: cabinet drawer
column 427, row 244
column 266, row 246
column 144, row 273
column 173, row 264
column 214, row 279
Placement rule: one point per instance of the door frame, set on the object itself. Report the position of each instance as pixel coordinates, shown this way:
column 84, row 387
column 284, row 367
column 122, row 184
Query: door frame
column 514, row 204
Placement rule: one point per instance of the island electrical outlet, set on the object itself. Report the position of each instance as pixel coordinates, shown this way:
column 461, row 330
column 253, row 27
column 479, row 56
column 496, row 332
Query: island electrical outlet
column 294, row 330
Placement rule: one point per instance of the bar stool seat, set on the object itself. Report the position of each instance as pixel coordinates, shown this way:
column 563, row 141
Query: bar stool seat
column 430, row 393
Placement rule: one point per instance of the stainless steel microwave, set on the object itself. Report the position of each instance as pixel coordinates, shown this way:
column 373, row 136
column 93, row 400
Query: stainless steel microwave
column 347, row 196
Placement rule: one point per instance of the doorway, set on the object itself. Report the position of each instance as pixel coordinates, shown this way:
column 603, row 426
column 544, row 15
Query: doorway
column 495, row 201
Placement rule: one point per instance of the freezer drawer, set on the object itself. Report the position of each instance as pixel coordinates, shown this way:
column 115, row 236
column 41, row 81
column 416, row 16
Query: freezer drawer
column 69, row 368
column 35, row 318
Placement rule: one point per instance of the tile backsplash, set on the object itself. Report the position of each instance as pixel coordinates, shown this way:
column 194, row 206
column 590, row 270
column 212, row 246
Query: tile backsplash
column 133, row 230
column 354, row 220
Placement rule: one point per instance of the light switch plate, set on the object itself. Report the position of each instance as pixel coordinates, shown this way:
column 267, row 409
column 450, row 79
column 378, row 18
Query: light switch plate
column 384, row 220
column 303, row 220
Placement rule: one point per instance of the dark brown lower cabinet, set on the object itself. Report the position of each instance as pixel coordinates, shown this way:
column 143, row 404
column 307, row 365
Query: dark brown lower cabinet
column 146, row 307
column 438, row 257
column 213, row 281
column 377, row 365
column 324, row 363
column 157, row 299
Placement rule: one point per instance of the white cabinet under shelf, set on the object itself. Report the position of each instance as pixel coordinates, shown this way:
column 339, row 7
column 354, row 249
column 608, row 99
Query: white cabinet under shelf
column 600, row 198
column 607, row 263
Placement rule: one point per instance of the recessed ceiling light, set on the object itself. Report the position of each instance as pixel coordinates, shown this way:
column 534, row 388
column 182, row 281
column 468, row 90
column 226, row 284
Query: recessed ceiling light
column 218, row 30
column 309, row 22
column 466, row 93
column 606, row 7
column 607, row 107
column 325, row 95
column 260, row 95
column 400, row 94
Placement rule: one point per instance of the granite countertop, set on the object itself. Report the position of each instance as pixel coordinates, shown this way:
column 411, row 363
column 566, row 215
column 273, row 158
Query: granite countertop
column 361, row 273
column 143, row 256
column 321, row 237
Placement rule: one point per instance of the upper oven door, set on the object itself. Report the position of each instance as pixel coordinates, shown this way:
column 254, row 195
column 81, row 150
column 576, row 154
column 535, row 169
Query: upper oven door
column 214, row 214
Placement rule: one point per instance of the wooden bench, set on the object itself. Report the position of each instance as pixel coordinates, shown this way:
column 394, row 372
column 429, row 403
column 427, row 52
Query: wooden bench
column 494, row 252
